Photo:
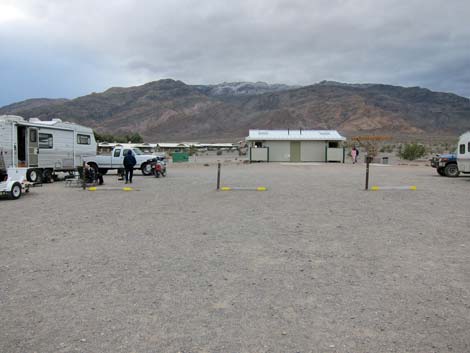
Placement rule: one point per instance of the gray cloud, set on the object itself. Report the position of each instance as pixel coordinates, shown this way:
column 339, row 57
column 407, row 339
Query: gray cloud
column 414, row 42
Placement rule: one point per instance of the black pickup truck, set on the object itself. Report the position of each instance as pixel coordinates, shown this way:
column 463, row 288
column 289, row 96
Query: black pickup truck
column 446, row 165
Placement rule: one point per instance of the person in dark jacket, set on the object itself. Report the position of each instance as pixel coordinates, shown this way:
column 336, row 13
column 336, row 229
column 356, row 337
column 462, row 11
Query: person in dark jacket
column 129, row 163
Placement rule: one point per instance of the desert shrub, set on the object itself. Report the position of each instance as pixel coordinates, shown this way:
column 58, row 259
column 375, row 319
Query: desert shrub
column 387, row 148
column 411, row 151
column 134, row 138
column 130, row 137
column 192, row 150
column 450, row 148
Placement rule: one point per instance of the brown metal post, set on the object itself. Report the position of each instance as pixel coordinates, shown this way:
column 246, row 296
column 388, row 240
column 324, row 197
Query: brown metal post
column 83, row 176
column 218, row 176
column 367, row 171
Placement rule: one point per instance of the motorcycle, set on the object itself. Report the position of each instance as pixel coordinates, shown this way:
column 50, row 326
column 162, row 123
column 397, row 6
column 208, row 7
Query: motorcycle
column 159, row 167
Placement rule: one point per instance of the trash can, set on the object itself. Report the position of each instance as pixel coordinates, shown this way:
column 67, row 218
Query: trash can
column 384, row 160
column 180, row 157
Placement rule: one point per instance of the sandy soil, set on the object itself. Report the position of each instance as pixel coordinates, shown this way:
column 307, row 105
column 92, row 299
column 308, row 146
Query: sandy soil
column 314, row 264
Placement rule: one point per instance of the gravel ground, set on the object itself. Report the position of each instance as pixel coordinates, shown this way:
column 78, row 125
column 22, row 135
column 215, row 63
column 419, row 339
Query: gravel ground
column 314, row 264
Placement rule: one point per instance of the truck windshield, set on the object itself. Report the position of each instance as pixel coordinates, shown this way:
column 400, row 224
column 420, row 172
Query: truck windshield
column 137, row 151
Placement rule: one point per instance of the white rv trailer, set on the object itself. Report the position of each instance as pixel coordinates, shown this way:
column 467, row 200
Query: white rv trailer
column 42, row 147
column 463, row 153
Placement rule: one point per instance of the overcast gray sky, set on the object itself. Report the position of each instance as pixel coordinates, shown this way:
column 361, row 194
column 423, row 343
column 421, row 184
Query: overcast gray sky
column 67, row 48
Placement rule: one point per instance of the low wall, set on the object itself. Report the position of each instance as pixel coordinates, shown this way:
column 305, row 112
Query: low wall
column 335, row 155
column 259, row 154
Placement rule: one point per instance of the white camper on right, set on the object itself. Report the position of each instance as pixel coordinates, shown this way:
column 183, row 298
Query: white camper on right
column 463, row 153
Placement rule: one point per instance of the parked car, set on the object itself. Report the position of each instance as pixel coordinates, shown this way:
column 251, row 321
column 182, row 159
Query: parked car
column 446, row 165
column 114, row 160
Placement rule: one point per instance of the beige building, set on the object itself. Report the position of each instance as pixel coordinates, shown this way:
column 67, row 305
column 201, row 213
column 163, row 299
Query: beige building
column 296, row 146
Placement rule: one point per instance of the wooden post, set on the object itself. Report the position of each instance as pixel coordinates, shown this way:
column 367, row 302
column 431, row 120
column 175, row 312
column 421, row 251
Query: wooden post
column 218, row 176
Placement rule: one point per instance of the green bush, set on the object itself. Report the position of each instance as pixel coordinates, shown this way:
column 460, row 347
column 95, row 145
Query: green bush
column 411, row 151
column 131, row 137
column 134, row 138
column 387, row 148
column 192, row 150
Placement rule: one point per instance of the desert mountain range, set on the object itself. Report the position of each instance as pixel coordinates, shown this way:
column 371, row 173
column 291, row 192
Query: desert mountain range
column 169, row 110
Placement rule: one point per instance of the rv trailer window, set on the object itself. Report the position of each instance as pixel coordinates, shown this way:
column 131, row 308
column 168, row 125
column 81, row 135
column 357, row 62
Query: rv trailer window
column 117, row 152
column 46, row 141
column 462, row 148
column 33, row 135
column 83, row 139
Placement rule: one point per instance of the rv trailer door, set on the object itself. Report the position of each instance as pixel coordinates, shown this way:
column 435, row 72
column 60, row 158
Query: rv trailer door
column 33, row 147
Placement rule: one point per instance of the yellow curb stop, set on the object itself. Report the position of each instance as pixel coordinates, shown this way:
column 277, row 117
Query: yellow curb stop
column 229, row 188
column 377, row 188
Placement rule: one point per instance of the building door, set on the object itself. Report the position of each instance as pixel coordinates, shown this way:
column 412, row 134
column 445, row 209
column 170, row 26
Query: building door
column 33, row 147
column 295, row 151
column 22, row 156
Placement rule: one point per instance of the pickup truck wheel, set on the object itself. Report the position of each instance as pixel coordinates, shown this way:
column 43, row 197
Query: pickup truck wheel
column 15, row 192
column 146, row 169
column 452, row 170
column 441, row 171
column 94, row 166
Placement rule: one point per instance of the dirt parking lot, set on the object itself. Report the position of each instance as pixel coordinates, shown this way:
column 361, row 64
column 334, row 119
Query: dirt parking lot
column 314, row 264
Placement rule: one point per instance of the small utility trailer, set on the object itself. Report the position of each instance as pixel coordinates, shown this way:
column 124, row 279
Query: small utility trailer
column 13, row 183
column 12, row 180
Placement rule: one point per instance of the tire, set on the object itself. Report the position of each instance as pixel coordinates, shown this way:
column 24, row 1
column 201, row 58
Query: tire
column 94, row 166
column 15, row 192
column 34, row 175
column 103, row 171
column 146, row 169
column 47, row 175
column 451, row 170
column 440, row 171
